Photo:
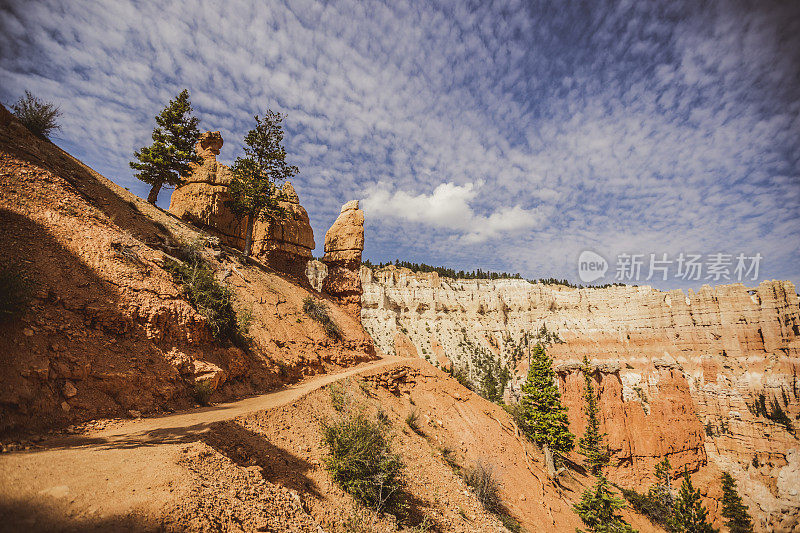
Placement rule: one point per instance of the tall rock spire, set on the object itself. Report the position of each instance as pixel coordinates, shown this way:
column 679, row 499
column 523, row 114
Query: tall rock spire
column 344, row 243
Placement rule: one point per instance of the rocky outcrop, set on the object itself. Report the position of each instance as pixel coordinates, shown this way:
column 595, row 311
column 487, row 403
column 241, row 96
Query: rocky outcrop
column 344, row 243
column 202, row 197
column 285, row 245
column 670, row 363
column 660, row 422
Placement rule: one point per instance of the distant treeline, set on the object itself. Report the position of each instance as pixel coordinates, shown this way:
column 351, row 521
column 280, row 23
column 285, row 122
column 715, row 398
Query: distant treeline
column 446, row 272
column 480, row 274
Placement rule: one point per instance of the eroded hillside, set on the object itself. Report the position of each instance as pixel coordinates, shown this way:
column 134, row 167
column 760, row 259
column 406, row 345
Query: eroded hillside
column 681, row 375
column 260, row 464
column 107, row 330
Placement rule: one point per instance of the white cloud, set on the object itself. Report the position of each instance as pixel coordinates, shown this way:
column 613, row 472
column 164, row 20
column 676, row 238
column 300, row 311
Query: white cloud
column 448, row 207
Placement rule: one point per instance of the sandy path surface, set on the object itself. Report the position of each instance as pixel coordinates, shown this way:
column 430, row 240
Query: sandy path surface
column 121, row 477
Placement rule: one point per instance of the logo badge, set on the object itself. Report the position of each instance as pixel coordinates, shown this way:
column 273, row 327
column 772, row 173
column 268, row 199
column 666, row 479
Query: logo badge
column 591, row 266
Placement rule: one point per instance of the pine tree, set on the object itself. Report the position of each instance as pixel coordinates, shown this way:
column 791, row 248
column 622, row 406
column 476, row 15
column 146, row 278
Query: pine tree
column 253, row 193
column 662, row 474
column 733, row 509
column 660, row 493
column 598, row 509
column 544, row 417
column 591, row 444
column 172, row 151
column 688, row 514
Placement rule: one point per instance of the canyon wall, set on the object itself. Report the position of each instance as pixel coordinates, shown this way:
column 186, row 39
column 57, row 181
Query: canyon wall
column 681, row 374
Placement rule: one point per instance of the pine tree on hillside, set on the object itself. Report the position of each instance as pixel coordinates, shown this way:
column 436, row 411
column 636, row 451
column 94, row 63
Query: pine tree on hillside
column 598, row 510
column 733, row 509
column 544, row 417
column 660, row 493
column 172, row 151
column 598, row 506
column 688, row 514
column 662, row 474
column 591, row 444
column 252, row 192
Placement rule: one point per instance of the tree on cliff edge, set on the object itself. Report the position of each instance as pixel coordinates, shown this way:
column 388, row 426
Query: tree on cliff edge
column 689, row 515
column 253, row 193
column 544, row 417
column 733, row 509
column 172, row 151
column 591, row 444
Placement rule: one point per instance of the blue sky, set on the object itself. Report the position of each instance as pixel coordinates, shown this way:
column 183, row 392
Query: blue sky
column 507, row 135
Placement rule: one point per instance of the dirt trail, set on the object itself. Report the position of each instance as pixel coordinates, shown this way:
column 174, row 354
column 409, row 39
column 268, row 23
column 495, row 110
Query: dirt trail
column 121, row 477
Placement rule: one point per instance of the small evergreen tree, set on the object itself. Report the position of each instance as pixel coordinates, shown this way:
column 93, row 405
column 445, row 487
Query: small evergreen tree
column 544, row 417
column 172, row 151
column 591, row 444
column 662, row 474
column 598, row 510
column 660, row 493
column 688, row 514
column 657, row 503
column 37, row 115
column 733, row 509
column 253, row 193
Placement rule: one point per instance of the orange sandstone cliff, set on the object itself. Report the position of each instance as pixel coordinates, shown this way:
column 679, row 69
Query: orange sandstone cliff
column 678, row 373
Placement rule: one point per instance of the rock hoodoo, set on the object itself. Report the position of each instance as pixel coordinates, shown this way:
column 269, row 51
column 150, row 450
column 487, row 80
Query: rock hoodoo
column 209, row 145
column 344, row 243
column 285, row 245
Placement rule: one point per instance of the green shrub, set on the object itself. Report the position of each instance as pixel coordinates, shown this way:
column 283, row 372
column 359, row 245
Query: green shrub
column 356, row 521
column 15, row 292
column 360, row 460
column 461, row 375
column 383, row 418
column 212, row 299
column 517, row 414
column 485, row 485
column 38, row 116
column 338, row 393
column 449, row 457
column 244, row 319
column 412, row 420
column 510, row 523
column 318, row 310
column 202, row 391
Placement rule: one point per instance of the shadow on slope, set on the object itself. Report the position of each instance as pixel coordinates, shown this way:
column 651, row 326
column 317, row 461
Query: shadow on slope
column 75, row 330
column 48, row 515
